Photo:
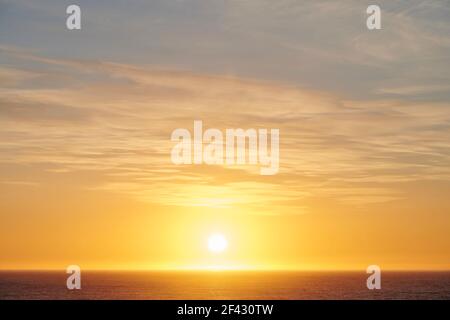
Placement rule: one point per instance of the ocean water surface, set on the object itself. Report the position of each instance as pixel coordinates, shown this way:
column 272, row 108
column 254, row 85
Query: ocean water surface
column 223, row 285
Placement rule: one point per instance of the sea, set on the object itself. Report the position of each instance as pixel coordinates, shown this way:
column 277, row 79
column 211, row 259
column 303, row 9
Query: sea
column 227, row 285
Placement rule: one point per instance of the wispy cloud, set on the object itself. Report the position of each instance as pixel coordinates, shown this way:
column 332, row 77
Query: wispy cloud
column 116, row 119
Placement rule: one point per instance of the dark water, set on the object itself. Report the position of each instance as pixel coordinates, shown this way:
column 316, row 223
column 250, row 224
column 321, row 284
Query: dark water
column 224, row 285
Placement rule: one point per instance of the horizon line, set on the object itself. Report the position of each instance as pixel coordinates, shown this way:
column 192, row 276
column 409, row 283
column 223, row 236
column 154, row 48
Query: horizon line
column 220, row 270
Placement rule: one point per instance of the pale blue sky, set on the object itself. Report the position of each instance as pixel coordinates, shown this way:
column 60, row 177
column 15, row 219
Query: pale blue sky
column 322, row 45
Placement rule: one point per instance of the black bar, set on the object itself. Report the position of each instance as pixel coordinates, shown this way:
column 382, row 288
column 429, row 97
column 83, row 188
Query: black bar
column 227, row 309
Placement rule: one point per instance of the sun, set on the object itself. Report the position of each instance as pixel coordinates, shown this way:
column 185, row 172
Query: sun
column 217, row 243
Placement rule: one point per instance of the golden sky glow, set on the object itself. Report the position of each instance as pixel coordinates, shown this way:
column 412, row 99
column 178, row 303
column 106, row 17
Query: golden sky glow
column 86, row 176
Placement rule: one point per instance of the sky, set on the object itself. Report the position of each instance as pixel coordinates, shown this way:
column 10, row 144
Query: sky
column 86, row 118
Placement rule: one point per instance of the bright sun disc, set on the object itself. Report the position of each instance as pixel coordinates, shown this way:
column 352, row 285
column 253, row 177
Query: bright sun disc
column 217, row 243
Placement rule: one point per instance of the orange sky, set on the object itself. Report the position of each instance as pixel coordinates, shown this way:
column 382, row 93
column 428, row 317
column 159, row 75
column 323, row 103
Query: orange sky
column 92, row 184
